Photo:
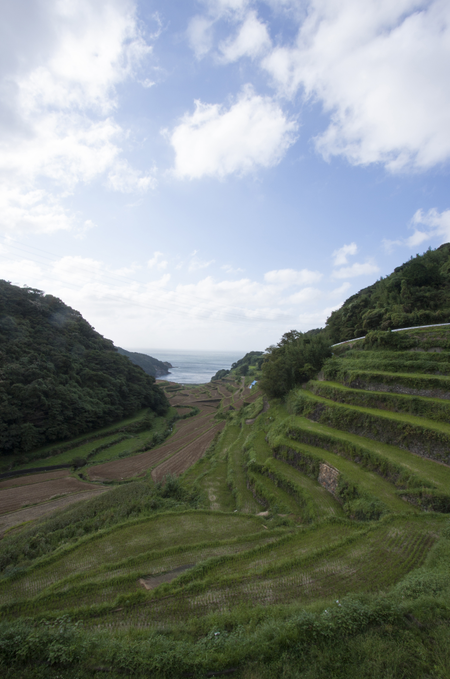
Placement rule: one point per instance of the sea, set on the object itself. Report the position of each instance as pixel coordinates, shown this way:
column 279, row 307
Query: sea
column 193, row 367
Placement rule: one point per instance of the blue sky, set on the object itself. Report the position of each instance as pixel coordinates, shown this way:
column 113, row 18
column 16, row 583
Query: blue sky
column 212, row 174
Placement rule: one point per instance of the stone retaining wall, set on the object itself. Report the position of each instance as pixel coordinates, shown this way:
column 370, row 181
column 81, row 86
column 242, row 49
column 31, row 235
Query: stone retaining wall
column 329, row 478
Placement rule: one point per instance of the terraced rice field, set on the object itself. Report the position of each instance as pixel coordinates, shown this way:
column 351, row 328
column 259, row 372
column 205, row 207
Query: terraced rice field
column 274, row 530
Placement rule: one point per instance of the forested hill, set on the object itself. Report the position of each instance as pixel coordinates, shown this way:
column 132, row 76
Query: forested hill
column 416, row 293
column 148, row 364
column 59, row 377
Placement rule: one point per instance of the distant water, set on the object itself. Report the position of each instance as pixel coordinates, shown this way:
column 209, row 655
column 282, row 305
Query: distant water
column 193, row 367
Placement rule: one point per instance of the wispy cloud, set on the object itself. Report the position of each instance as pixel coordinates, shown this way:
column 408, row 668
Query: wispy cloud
column 356, row 269
column 157, row 261
column 287, row 277
column 341, row 256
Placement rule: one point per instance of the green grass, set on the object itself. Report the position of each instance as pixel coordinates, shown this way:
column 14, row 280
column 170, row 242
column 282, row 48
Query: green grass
column 368, row 481
column 324, row 503
column 209, row 475
column 274, row 498
column 437, row 474
column 236, row 476
column 396, row 417
column 414, row 382
column 420, row 406
column 127, row 541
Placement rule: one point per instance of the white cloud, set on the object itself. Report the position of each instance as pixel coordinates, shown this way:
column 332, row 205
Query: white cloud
column 380, row 69
column 196, row 264
column 356, row 269
column 214, row 141
column 252, row 40
column 389, row 245
column 438, row 224
column 341, row 255
column 57, row 99
column 157, row 261
column 200, row 35
column 305, row 296
column 149, row 312
column 435, row 225
column 287, row 277
column 34, row 210
column 122, row 177
column 341, row 290
column 231, row 270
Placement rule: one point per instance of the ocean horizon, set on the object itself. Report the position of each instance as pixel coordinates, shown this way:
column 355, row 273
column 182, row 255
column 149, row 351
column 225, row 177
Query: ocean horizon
column 190, row 366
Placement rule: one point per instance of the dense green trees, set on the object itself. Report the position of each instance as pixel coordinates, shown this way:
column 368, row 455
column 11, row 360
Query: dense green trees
column 295, row 359
column 241, row 367
column 148, row 364
column 58, row 376
column 416, row 293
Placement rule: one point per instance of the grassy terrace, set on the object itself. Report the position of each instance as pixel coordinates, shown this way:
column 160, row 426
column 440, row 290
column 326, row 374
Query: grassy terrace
column 402, row 418
column 435, row 409
column 414, row 382
column 368, row 482
column 188, row 566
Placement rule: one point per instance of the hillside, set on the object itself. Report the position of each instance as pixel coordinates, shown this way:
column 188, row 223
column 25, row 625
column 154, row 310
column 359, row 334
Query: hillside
column 416, row 293
column 59, row 377
column 295, row 527
column 304, row 538
column 148, row 364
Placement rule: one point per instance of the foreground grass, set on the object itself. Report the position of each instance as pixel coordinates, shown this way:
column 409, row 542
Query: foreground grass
column 401, row 632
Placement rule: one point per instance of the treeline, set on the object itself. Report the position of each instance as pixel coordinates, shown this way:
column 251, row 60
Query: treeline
column 148, row 364
column 416, row 293
column 59, row 377
column 296, row 358
column 242, row 367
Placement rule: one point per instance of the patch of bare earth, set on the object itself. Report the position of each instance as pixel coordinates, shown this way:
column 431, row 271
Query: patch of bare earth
column 152, row 581
column 187, row 431
column 185, row 458
column 33, row 478
column 12, row 499
column 12, row 519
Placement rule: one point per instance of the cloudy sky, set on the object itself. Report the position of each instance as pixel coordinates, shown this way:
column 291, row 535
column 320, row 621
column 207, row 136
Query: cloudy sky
column 209, row 174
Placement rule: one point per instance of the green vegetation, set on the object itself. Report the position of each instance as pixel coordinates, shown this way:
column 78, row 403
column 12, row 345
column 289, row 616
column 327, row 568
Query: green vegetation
column 416, row 293
column 311, row 539
column 60, row 378
column 295, row 359
column 249, row 364
column 148, row 364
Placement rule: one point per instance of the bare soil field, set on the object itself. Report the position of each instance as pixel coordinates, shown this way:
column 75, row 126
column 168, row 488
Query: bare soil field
column 185, row 458
column 187, row 432
column 12, row 519
column 33, row 478
column 15, row 498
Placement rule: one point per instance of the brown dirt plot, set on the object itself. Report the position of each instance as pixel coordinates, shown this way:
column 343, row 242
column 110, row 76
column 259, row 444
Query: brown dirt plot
column 188, row 431
column 31, row 513
column 33, row 478
column 15, row 498
column 185, row 458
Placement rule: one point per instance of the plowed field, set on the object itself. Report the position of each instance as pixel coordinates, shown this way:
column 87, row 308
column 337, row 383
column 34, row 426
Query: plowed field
column 33, row 478
column 12, row 519
column 186, row 457
column 16, row 498
column 187, row 432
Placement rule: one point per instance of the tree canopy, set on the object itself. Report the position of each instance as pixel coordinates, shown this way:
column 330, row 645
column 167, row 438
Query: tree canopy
column 59, row 377
column 415, row 293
